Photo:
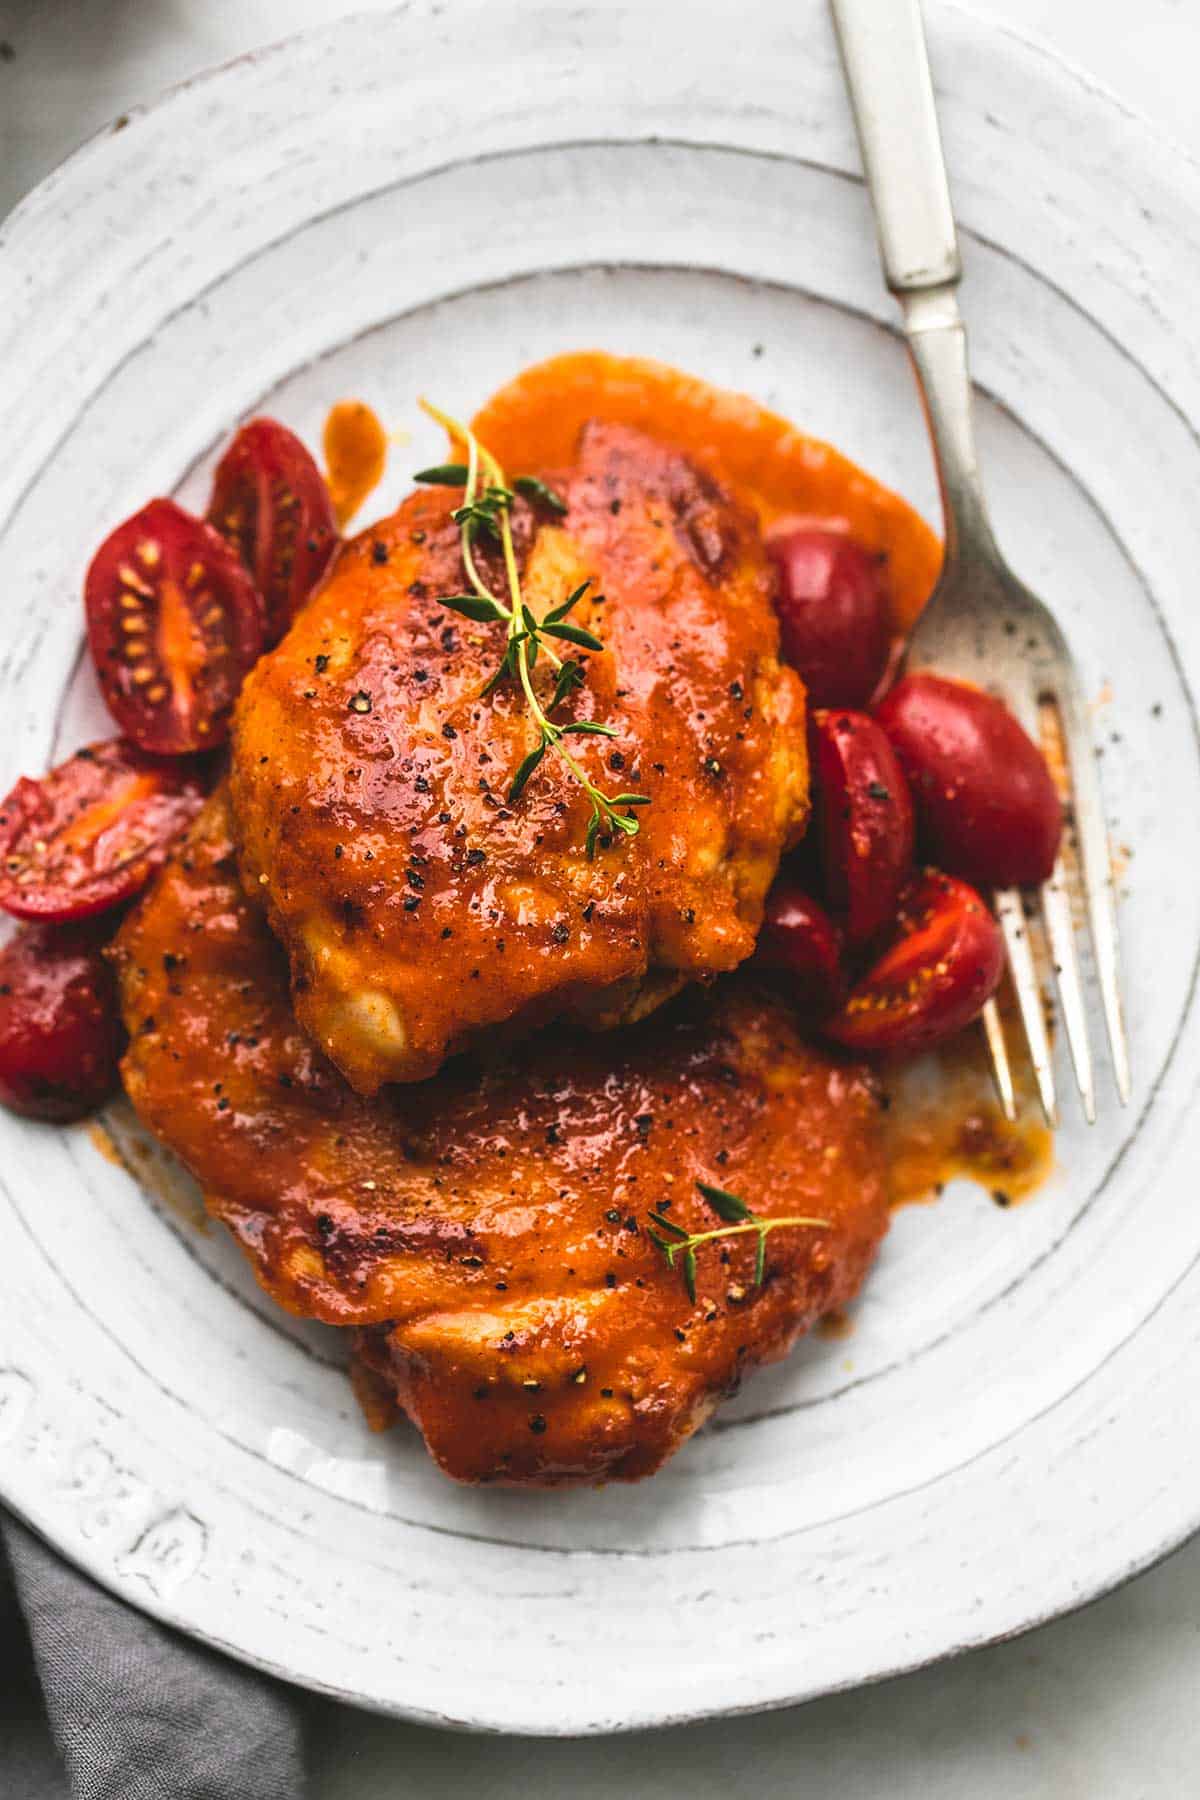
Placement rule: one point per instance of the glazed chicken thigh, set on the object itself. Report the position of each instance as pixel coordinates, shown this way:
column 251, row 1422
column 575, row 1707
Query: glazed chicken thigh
column 487, row 1234
column 420, row 906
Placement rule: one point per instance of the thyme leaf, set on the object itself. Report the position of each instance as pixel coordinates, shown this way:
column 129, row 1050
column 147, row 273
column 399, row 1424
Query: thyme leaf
column 726, row 1206
column 473, row 606
column 506, row 670
column 560, row 612
column 526, row 769
column 444, row 475
column 573, row 634
column 538, row 494
column 570, row 676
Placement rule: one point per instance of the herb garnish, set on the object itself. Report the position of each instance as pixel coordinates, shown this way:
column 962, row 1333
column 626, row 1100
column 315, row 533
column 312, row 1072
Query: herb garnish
column 538, row 494
column 674, row 1241
column 486, row 513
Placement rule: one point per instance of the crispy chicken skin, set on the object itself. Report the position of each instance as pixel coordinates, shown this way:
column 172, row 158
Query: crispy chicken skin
column 486, row 1233
column 370, row 778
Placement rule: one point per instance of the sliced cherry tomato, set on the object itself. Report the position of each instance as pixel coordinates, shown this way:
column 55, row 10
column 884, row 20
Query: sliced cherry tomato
column 801, row 941
column 834, row 617
column 864, row 821
column 271, row 503
column 174, row 622
column 945, row 962
column 60, row 1029
column 986, row 805
column 93, row 831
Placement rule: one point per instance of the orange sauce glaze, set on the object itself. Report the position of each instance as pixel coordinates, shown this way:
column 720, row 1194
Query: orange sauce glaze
column 355, row 447
column 532, row 424
column 943, row 1120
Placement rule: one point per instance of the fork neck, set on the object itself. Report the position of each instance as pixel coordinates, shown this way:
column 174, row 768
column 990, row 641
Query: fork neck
column 937, row 344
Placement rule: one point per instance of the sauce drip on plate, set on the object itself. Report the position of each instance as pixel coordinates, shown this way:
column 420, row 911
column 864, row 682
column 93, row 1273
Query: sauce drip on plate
column 944, row 1122
column 355, row 445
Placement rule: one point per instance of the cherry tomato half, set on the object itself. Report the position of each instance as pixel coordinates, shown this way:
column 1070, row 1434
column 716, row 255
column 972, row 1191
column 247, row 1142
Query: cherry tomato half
column 801, row 942
column 864, row 821
column 945, row 962
column 987, row 808
column 60, row 1029
column 833, row 613
column 93, row 831
column 174, row 622
column 271, row 503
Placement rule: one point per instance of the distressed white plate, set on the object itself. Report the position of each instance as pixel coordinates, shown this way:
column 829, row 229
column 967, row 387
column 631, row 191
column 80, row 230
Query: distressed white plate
column 428, row 200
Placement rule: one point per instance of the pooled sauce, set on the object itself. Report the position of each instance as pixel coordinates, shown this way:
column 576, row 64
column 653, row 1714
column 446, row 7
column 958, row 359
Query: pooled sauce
column 943, row 1120
column 355, row 446
column 532, row 423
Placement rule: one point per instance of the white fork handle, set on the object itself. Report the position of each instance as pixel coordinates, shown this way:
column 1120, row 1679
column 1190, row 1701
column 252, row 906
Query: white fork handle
column 887, row 71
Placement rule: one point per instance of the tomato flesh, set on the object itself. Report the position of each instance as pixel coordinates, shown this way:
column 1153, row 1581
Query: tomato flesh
column 801, row 942
column 945, row 962
column 60, row 1029
column 834, row 613
column 987, row 808
column 270, row 502
column 864, row 821
column 92, row 832
column 174, row 622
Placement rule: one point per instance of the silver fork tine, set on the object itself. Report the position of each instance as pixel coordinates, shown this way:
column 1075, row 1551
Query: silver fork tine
column 1056, row 912
column 1055, row 896
column 1095, row 863
column 993, row 1028
column 1011, row 915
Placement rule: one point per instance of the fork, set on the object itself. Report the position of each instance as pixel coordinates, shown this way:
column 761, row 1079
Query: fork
column 981, row 624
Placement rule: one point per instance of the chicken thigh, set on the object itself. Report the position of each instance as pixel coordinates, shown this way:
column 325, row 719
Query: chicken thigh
column 420, row 905
column 488, row 1235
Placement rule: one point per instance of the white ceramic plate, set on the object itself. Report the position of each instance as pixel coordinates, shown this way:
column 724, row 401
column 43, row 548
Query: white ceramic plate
column 426, row 201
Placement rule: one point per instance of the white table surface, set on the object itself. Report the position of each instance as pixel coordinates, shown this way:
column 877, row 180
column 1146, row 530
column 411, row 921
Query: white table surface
column 1103, row 1703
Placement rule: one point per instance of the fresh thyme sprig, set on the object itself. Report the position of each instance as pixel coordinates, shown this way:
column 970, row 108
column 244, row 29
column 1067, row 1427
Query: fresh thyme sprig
column 486, row 513
column 674, row 1241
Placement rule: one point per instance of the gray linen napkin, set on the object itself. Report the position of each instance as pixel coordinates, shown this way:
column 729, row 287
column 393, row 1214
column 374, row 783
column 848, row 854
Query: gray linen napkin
column 138, row 1712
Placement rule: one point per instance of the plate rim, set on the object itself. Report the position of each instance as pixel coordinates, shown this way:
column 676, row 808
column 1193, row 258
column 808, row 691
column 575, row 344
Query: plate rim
column 1097, row 95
